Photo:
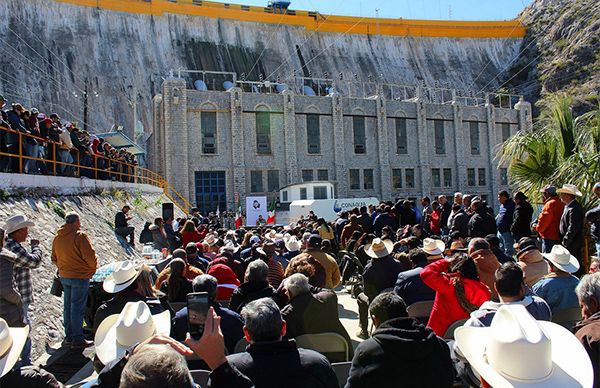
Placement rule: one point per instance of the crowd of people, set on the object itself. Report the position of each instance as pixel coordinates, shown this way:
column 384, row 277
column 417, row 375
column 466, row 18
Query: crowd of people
column 486, row 277
column 50, row 146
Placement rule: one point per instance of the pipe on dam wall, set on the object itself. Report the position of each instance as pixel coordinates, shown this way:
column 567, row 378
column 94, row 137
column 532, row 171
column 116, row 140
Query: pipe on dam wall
column 313, row 21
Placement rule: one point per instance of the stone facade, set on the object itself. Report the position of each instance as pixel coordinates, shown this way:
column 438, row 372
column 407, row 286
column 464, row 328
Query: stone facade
column 424, row 169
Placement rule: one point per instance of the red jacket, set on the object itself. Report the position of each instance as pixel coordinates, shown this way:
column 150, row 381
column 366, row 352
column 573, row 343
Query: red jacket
column 434, row 221
column 188, row 237
column 226, row 280
column 549, row 219
column 446, row 308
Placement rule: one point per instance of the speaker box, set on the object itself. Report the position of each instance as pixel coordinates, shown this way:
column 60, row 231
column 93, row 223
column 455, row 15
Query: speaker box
column 168, row 212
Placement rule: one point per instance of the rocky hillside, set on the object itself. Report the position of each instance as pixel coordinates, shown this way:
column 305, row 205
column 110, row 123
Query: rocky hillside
column 97, row 214
column 561, row 52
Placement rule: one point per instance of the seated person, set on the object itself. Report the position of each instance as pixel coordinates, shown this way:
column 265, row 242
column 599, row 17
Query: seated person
column 271, row 361
column 190, row 272
column 226, row 256
column 128, row 285
column 401, row 351
column 194, row 258
column 558, row 287
column 12, row 342
column 379, row 274
column 227, row 280
column 511, row 290
column 519, row 351
column 531, row 261
column 458, row 290
column 409, row 285
column 177, row 285
column 158, row 361
column 308, row 313
column 231, row 322
column 256, row 285
column 588, row 330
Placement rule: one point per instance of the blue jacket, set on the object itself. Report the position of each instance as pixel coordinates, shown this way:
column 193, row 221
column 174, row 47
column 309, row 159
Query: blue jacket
column 504, row 219
column 411, row 288
column 483, row 316
column 231, row 325
column 558, row 292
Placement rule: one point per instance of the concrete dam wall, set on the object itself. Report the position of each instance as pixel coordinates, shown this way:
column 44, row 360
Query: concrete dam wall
column 53, row 53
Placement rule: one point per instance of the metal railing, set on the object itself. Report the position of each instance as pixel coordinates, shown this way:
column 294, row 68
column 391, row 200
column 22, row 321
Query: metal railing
column 14, row 159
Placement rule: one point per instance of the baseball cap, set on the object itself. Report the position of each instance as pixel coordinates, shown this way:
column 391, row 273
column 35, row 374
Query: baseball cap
column 315, row 240
column 548, row 189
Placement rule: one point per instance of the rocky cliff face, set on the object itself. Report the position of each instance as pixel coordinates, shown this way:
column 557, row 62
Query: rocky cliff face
column 561, row 52
column 53, row 52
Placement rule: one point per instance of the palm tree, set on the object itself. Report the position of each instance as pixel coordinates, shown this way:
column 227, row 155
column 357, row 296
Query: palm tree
column 561, row 149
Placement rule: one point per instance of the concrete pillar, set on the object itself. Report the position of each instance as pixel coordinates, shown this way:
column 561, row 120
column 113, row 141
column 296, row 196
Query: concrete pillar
column 339, row 149
column 460, row 175
column 423, row 148
column 176, row 136
column 525, row 120
column 385, row 178
column 494, row 174
column 289, row 137
column 156, row 157
column 237, row 147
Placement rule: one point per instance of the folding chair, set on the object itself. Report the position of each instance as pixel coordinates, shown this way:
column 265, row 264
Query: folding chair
column 324, row 343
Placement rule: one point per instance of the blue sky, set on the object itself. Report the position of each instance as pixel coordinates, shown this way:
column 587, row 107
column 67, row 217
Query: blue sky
column 411, row 9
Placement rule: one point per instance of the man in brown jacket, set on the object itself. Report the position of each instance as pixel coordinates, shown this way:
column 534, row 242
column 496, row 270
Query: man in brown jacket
column 588, row 330
column 350, row 228
column 73, row 254
column 487, row 263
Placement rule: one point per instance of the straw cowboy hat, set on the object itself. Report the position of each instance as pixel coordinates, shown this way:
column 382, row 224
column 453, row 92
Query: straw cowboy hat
column 518, row 351
column 379, row 248
column 433, row 247
column 124, row 274
column 230, row 246
column 135, row 323
column 292, row 244
column 12, row 341
column 210, row 240
column 569, row 189
column 17, row 222
column 562, row 259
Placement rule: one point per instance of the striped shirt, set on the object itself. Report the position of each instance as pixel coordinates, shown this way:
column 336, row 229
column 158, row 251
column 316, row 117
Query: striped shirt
column 23, row 262
column 275, row 276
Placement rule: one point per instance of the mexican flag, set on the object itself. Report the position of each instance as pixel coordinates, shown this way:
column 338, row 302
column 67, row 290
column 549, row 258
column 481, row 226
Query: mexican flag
column 238, row 215
column 271, row 217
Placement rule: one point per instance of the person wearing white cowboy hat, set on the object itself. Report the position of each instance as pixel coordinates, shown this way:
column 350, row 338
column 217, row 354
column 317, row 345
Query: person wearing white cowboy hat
column 518, row 351
column 380, row 273
column 558, row 287
column 134, row 324
column 126, row 284
column 292, row 245
column 572, row 220
column 17, row 231
column 433, row 248
column 211, row 246
column 12, row 341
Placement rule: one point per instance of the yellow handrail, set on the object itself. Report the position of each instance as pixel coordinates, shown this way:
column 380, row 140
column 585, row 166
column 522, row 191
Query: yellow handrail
column 133, row 173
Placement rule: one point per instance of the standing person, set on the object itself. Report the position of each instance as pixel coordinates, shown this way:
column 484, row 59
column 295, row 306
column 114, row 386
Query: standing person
column 332, row 270
column 558, row 287
column 593, row 216
column 17, row 230
column 504, row 220
column 365, row 220
column 548, row 222
column 522, row 217
column 435, row 219
column 446, row 209
column 481, row 222
column 73, row 254
column 121, row 226
column 349, row 229
column 427, row 210
column 11, row 307
column 459, row 222
column 571, row 222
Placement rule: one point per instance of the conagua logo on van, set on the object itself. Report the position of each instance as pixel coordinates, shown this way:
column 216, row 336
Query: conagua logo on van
column 347, row 205
column 336, row 208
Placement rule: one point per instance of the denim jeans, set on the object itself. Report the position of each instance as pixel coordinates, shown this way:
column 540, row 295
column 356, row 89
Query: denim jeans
column 597, row 248
column 25, row 358
column 548, row 244
column 507, row 241
column 65, row 157
column 75, row 298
